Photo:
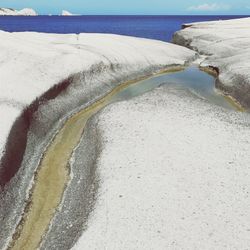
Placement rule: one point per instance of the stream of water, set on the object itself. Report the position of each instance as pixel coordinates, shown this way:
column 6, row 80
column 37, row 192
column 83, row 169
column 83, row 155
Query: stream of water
column 53, row 172
column 192, row 79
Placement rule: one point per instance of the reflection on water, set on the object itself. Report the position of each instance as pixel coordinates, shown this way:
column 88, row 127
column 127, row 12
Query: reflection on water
column 192, row 79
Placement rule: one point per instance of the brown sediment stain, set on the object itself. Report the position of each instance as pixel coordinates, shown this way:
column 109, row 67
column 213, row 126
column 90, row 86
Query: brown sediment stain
column 49, row 185
column 52, row 175
column 17, row 139
column 240, row 93
column 214, row 71
column 234, row 103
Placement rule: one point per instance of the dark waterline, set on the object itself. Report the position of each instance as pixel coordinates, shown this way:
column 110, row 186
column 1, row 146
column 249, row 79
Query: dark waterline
column 153, row 27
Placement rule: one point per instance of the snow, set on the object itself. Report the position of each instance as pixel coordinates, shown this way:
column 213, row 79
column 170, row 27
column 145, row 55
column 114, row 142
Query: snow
column 226, row 44
column 12, row 12
column 32, row 63
column 173, row 174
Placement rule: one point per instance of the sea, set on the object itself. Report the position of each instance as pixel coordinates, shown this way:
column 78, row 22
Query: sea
column 153, row 27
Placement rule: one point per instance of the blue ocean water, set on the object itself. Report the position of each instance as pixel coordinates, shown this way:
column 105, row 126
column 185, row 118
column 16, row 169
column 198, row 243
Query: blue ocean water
column 154, row 27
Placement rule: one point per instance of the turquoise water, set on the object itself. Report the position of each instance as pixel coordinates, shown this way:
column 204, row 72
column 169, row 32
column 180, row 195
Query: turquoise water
column 192, row 79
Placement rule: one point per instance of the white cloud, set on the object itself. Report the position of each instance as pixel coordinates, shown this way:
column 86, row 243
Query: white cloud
column 209, row 7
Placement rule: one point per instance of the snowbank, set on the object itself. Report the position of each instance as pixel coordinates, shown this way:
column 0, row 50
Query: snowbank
column 62, row 72
column 226, row 44
column 173, row 175
column 12, row 12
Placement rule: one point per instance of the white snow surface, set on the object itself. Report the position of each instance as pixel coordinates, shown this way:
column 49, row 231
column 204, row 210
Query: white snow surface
column 227, row 45
column 13, row 12
column 32, row 63
column 174, row 174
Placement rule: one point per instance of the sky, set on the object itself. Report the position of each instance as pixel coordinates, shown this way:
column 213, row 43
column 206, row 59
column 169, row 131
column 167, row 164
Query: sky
column 133, row 7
